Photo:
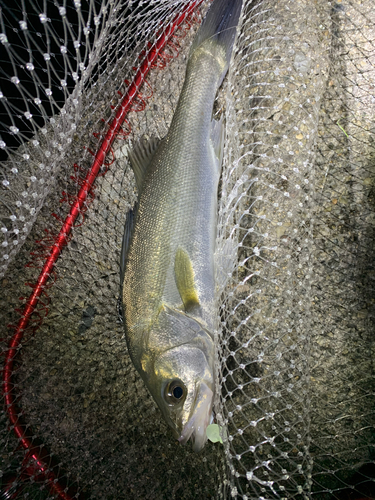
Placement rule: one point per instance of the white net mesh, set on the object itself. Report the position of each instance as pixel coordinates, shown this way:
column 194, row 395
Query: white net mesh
column 295, row 273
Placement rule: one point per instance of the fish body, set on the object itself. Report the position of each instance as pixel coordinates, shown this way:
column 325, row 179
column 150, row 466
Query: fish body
column 167, row 267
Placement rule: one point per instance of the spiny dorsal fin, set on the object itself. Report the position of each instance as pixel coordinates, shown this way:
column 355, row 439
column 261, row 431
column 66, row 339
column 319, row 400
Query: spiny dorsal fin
column 140, row 158
column 184, row 276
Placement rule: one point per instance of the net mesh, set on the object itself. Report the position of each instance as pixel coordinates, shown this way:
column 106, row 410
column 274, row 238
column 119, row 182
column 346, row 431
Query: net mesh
column 295, row 275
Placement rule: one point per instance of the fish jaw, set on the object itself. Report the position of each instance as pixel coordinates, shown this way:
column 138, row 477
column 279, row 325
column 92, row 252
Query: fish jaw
column 199, row 419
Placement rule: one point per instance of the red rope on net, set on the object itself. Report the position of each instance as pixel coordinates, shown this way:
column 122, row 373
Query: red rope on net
column 37, row 452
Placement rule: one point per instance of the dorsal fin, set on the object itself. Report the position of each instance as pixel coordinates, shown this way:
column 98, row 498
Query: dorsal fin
column 184, row 276
column 140, row 158
column 217, row 139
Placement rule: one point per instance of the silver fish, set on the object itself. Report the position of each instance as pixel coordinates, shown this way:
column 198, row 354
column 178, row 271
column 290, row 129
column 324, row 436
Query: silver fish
column 167, row 262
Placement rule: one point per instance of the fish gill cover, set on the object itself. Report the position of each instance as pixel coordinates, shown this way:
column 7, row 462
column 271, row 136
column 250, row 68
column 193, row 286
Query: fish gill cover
column 80, row 82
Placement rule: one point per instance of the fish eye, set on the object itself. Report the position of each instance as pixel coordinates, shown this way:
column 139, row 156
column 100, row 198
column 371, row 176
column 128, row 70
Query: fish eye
column 174, row 392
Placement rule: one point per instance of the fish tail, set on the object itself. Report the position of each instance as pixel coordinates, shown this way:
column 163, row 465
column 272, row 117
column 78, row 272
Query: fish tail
column 219, row 26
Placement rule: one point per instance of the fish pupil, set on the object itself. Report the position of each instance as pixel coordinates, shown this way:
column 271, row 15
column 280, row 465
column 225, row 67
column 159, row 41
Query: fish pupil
column 178, row 392
column 174, row 392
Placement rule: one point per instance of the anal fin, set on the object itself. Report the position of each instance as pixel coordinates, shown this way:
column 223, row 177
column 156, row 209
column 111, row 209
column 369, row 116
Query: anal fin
column 140, row 158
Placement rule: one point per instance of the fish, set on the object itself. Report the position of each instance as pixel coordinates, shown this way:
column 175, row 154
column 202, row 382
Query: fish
column 167, row 257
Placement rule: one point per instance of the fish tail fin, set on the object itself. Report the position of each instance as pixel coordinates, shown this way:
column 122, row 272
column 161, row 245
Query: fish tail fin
column 219, row 26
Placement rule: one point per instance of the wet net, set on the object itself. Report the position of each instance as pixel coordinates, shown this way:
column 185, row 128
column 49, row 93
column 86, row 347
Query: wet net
column 79, row 82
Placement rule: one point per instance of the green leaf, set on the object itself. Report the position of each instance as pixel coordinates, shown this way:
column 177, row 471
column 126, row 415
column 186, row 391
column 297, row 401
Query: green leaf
column 213, row 433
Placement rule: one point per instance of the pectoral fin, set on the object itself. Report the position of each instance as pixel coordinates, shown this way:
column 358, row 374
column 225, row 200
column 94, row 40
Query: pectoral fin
column 184, row 276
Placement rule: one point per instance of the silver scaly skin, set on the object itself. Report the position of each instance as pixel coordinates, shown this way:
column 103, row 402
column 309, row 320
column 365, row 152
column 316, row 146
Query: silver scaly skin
column 169, row 242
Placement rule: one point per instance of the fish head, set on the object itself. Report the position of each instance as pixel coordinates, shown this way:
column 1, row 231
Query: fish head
column 182, row 383
column 186, row 392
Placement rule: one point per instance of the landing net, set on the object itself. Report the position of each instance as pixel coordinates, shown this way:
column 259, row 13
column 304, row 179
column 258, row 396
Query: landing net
column 81, row 81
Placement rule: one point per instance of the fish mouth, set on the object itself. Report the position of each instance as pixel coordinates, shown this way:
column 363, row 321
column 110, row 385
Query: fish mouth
column 200, row 417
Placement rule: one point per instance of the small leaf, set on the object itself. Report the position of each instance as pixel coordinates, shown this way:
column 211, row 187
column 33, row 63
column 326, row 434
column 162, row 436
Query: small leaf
column 213, row 433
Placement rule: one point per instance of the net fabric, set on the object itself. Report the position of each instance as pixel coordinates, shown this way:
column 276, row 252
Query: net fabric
column 276, row 81
column 39, row 114
column 344, row 245
column 294, row 253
